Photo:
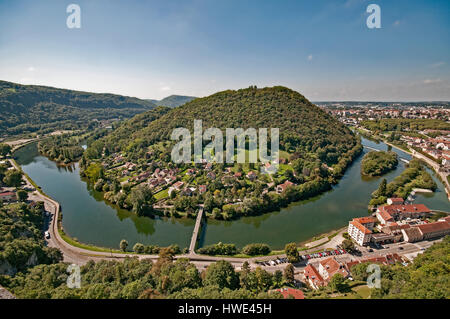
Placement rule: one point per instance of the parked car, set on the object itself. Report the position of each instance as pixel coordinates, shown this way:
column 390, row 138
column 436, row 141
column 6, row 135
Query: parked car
column 47, row 235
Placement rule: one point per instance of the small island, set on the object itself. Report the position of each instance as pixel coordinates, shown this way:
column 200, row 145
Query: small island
column 378, row 163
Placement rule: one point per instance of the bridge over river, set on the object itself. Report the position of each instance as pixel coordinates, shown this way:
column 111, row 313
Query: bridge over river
column 198, row 223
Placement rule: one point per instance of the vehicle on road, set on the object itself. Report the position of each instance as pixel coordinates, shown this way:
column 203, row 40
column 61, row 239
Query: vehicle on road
column 47, row 235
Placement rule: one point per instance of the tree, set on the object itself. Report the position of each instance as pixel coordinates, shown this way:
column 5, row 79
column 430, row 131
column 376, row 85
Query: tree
column 338, row 283
column 142, row 199
column 22, row 195
column 381, row 191
column 138, row 248
column 4, row 149
column 289, row 273
column 348, row 244
column 221, row 274
column 278, row 278
column 123, row 245
column 13, row 178
column 292, row 252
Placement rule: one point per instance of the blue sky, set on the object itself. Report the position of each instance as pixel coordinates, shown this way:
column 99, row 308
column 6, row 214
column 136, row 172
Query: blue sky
column 151, row 49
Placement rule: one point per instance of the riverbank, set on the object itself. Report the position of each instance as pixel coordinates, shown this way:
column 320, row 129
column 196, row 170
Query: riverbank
column 434, row 166
column 93, row 222
column 75, row 251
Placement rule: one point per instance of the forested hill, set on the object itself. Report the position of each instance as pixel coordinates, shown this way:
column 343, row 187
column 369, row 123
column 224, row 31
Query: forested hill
column 174, row 100
column 31, row 108
column 304, row 128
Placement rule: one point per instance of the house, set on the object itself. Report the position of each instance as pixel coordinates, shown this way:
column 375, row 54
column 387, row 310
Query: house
column 282, row 187
column 313, row 277
column 189, row 191
column 291, row 293
column 251, row 175
column 399, row 212
column 8, row 196
column 389, row 259
column 178, row 185
column 411, row 234
column 201, row 189
column 446, row 160
column 426, row 231
column 384, row 217
column 211, row 175
column 238, row 174
column 360, row 230
column 208, row 166
column 330, row 266
column 190, row 172
column 395, row 201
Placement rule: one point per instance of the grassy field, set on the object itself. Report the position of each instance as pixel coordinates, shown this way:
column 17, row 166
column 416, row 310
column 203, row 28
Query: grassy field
column 162, row 194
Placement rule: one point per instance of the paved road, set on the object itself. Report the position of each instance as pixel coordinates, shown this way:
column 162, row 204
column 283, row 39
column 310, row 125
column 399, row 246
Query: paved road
column 436, row 169
column 81, row 256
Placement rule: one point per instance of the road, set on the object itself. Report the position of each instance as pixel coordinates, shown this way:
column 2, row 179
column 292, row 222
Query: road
column 81, row 256
column 436, row 167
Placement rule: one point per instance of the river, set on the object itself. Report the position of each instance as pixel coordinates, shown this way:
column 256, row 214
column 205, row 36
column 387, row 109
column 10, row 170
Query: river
column 87, row 217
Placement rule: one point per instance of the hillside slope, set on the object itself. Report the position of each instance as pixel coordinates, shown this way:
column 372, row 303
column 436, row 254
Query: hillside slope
column 31, row 108
column 304, row 127
column 173, row 100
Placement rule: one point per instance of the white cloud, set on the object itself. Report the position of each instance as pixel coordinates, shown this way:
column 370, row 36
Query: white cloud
column 31, row 68
column 310, row 57
column 165, row 88
column 437, row 64
column 431, row 81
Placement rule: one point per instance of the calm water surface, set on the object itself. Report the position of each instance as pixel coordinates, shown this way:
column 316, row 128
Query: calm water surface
column 88, row 218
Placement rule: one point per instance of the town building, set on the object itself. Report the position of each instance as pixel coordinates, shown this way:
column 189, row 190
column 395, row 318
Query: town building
column 427, row 231
column 8, row 196
column 329, row 267
column 282, row 187
column 291, row 293
column 313, row 277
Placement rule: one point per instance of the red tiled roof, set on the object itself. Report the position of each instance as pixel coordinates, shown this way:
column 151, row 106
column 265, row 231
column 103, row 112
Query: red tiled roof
column 398, row 209
column 385, row 215
column 7, row 194
column 365, row 220
column 311, row 273
column 433, row 227
column 296, row 293
column 360, row 227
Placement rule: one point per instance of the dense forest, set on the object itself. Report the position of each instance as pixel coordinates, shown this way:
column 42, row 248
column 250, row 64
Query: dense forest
column 316, row 151
column 378, row 163
column 428, row 277
column 414, row 176
column 405, row 125
column 64, row 148
column 304, row 128
column 21, row 238
column 40, row 109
